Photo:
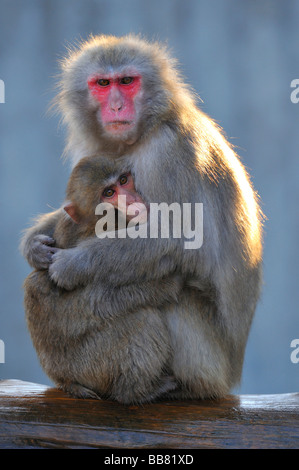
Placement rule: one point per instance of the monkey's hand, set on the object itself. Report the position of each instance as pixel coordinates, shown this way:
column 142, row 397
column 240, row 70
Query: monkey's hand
column 65, row 270
column 40, row 251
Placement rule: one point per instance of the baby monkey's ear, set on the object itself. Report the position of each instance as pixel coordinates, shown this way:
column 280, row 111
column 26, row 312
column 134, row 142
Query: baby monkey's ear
column 72, row 210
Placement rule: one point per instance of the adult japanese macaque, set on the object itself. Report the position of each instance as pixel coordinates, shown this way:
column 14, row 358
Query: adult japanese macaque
column 100, row 340
column 123, row 98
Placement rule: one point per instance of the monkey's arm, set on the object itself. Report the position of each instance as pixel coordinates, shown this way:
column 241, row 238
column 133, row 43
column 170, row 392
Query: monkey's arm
column 37, row 242
column 116, row 261
column 110, row 301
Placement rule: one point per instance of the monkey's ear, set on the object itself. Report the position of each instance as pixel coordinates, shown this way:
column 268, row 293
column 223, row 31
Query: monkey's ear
column 71, row 209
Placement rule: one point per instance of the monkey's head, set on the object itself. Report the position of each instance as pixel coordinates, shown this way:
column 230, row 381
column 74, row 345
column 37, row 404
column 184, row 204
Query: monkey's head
column 118, row 89
column 96, row 180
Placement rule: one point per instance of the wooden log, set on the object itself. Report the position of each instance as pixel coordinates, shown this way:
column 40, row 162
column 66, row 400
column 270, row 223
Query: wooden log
column 38, row 416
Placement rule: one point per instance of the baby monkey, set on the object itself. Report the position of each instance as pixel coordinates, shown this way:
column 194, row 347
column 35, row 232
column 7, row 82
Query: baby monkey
column 95, row 182
column 112, row 345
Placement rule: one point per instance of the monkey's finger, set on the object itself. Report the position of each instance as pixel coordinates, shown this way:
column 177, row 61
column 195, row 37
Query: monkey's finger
column 52, row 249
column 45, row 240
column 43, row 256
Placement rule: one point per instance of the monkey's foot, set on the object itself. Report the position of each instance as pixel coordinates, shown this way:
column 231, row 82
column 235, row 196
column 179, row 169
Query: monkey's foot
column 166, row 384
column 78, row 391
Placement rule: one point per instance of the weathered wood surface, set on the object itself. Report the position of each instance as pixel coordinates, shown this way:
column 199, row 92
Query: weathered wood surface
column 38, row 416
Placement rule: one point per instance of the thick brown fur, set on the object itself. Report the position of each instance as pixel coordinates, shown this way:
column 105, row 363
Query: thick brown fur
column 176, row 154
column 100, row 340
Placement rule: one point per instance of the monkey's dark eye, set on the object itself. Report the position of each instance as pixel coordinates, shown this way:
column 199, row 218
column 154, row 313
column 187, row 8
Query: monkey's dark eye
column 126, row 80
column 123, row 179
column 103, row 82
column 109, row 192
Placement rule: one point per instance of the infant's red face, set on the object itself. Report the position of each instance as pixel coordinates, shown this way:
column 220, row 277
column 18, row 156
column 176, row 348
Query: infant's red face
column 124, row 197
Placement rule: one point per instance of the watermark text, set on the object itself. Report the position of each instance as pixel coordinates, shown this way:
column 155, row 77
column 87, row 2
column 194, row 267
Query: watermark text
column 2, row 92
column 295, row 93
column 295, row 353
column 2, row 352
column 159, row 220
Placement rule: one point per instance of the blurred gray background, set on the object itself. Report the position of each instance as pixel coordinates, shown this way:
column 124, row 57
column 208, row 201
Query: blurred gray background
column 241, row 58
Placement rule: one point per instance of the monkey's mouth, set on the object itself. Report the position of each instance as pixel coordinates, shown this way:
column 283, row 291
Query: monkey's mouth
column 118, row 127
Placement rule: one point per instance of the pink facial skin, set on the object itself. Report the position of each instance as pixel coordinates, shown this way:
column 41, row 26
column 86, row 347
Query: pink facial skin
column 116, row 95
column 131, row 206
column 124, row 187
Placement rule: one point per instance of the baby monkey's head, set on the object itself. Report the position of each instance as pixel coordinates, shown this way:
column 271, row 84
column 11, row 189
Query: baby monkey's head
column 96, row 180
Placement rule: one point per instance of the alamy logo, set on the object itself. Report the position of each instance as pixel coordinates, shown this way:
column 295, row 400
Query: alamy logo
column 164, row 220
column 295, row 93
column 2, row 354
column 2, row 92
column 295, row 353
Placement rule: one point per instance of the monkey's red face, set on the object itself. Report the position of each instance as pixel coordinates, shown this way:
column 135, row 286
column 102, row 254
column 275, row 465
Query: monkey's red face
column 124, row 197
column 116, row 95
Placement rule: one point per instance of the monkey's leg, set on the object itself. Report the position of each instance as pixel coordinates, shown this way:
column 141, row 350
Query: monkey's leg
column 205, row 362
column 59, row 323
column 143, row 356
column 124, row 359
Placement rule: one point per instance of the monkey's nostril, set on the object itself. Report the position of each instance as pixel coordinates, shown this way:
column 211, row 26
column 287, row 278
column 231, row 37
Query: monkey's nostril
column 116, row 106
